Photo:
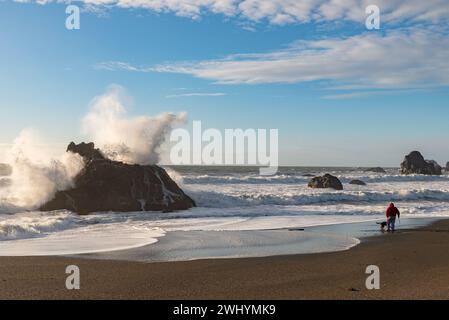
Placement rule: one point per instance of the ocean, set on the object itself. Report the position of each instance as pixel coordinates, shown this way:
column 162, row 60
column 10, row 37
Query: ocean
column 236, row 207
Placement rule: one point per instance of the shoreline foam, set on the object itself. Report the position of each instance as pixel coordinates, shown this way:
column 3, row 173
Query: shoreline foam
column 409, row 270
column 205, row 245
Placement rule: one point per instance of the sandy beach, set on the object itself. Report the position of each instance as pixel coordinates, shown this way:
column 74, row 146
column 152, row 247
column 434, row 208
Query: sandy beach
column 193, row 150
column 414, row 264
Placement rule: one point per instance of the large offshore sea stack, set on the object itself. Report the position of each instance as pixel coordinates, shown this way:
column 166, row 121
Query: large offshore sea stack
column 106, row 185
column 414, row 163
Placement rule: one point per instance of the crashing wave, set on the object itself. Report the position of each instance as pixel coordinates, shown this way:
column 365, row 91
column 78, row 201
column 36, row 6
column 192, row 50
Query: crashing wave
column 212, row 199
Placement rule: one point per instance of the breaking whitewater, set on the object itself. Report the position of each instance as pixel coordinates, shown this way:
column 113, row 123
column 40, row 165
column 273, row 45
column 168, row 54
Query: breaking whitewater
column 230, row 201
column 238, row 213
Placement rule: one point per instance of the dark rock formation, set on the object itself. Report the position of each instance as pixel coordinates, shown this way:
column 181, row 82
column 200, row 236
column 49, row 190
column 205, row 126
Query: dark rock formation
column 376, row 169
column 106, row 185
column 86, row 150
column 447, row 166
column 414, row 163
column 357, row 182
column 326, row 181
column 435, row 167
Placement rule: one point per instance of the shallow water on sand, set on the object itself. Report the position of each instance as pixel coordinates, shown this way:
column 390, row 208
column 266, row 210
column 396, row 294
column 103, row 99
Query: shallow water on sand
column 231, row 202
column 194, row 245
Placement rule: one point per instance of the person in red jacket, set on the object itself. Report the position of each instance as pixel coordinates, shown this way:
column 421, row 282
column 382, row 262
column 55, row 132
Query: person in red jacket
column 391, row 214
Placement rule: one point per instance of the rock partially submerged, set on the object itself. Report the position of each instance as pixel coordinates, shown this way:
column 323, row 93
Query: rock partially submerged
column 357, row 182
column 414, row 163
column 376, row 170
column 326, row 181
column 106, row 185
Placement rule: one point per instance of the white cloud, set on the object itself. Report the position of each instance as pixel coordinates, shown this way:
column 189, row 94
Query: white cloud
column 197, row 94
column 401, row 58
column 285, row 11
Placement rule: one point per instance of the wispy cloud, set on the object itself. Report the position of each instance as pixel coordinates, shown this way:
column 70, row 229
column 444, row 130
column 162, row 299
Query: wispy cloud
column 404, row 58
column 281, row 12
column 197, row 94
column 398, row 59
column 342, row 96
column 362, row 94
column 119, row 65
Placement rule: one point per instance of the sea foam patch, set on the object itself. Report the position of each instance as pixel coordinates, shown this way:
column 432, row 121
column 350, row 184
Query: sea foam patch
column 230, row 201
column 92, row 239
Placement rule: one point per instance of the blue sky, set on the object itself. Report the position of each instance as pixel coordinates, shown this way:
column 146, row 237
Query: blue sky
column 338, row 93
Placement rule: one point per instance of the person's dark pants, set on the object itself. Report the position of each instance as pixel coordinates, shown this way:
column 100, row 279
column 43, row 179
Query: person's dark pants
column 390, row 223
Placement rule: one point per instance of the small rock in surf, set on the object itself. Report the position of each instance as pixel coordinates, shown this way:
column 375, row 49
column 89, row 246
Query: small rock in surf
column 376, row 170
column 358, row 182
column 326, row 181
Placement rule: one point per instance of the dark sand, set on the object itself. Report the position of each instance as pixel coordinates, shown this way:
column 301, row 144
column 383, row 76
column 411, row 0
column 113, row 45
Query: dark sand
column 413, row 265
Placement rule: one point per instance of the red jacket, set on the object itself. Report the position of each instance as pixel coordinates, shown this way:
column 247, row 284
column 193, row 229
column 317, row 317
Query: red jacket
column 392, row 211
